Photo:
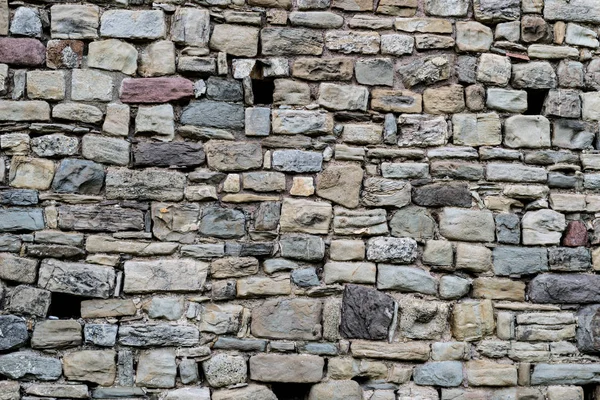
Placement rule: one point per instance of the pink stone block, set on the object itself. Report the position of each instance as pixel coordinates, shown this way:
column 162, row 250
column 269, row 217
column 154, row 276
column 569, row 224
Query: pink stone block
column 22, row 51
column 155, row 90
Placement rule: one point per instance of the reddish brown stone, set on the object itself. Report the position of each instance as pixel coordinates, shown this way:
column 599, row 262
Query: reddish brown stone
column 155, row 90
column 575, row 235
column 22, row 51
column 64, row 53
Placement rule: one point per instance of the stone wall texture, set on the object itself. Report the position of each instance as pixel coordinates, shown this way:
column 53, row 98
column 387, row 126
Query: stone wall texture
column 300, row 200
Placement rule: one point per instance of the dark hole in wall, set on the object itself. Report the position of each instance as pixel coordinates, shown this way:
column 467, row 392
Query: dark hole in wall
column 589, row 392
column 65, row 306
column 535, row 101
column 291, row 391
column 263, row 89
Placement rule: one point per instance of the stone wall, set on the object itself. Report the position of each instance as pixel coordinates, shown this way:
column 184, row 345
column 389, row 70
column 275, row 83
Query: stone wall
column 308, row 199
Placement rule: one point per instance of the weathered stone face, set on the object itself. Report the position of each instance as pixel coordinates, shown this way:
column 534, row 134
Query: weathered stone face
column 288, row 319
column 366, row 313
column 327, row 199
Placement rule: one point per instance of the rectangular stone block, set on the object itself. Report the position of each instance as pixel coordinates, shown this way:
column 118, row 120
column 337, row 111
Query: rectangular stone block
column 183, row 275
column 409, row 351
column 79, row 279
column 300, row 368
column 148, row 184
column 126, row 24
column 100, row 218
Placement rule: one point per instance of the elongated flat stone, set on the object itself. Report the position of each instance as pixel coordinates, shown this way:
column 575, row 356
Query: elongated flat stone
column 155, row 90
column 153, row 335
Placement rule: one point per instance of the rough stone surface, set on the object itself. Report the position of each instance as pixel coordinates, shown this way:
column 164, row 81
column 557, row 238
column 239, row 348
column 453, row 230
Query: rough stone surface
column 390, row 200
column 366, row 313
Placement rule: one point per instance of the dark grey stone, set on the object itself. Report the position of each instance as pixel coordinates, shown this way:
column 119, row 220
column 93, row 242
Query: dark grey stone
column 442, row 373
column 508, row 228
column 230, row 343
column 302, row 247
column 266, row 216
column 321, row 349
column 466, row 67
column 96, row 218
column 563, row 181
column 550, row 157
column 366, row 313
column 222, row 223
column 104, row 335
column 19, row 197
column 21, row 219
column 497, row 10
column 509, row 260
column 118, row 392
column 297, row 161
column 565, row 288
column 13, row 332
column 222, row 89
column 10, row 243
column 588, row 329
column 569, row 259
column 125, row 375
column 154, row 335
column 214, row 114
column 305, row 277
column 29, row 365
column 180, row 154
column 54, row 251
column 256, row 249
column 78, row 176
column 442, row 195
column 29, row 300
column 202, row 175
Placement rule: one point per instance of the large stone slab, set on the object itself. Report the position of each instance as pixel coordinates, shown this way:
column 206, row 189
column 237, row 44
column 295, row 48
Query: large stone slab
column 78, row 279
column 30, row 365
column 181, row 154
column 566, row 374
column 182, row 275
column 512, row 260
column 147, row 184
column 298, row 319
column 574, row 10
column 565, row 288
column 99, row 218
column 300, row 368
